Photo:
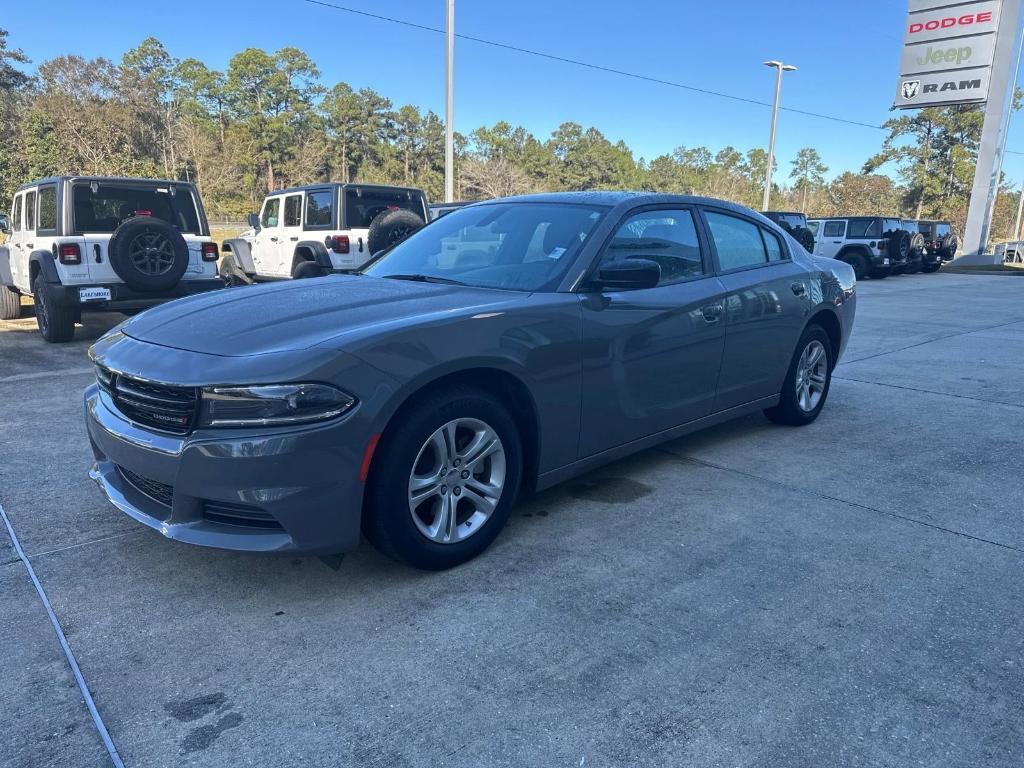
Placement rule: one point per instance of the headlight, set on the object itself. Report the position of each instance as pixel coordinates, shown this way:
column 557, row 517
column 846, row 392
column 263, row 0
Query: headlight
column 271, row 405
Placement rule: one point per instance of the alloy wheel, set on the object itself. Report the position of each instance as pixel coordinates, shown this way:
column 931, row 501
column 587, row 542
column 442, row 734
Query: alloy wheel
column 151, row 253
column 457, row 480
column 811, row 376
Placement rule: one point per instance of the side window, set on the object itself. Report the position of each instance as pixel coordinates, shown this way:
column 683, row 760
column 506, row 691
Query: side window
column 16, row 214
column 47, row 208
column 292, row 210
column 834, row 229
column 30, row 211
column 737, row 241
column 271, row 211
column 318, row 208
column 813, row 226
column 667, row 237
column 773, row 246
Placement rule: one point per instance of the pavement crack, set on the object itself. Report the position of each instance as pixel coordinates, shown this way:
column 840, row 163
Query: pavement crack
column 927, row 391
column 828, row 497
column 121, row 534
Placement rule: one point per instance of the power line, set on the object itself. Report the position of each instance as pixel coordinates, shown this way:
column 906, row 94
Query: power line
column 590, row 65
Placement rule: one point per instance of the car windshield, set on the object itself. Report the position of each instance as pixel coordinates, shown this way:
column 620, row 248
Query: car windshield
column 513, row 246
column 101, row 207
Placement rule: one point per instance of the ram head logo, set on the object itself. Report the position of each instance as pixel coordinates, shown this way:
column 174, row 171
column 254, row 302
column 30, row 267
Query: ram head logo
column 911, row 88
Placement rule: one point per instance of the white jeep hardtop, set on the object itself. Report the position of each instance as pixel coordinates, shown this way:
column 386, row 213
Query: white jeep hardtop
column 88, row 243
column 318, row 229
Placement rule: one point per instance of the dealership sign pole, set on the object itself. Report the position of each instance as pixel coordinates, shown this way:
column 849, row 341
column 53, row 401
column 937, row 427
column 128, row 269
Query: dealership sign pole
column 962, row 53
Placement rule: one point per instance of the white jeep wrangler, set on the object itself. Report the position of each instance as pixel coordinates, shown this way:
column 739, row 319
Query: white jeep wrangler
column 321, row 228
column 85, row 243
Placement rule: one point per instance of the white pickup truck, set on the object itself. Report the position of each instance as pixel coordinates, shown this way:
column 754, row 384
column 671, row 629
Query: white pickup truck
column 98, row 244
column 321, row 228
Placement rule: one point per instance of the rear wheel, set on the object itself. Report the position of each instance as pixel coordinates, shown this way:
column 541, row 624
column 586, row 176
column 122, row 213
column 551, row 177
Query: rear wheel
column 56, row 321
column 442, row 486
column 307, row 269
column 10, row 304
column 859, row 264
column 807, row 381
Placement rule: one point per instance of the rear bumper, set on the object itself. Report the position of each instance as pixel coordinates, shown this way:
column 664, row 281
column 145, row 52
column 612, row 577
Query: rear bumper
column 122, row 297
column 284, row 491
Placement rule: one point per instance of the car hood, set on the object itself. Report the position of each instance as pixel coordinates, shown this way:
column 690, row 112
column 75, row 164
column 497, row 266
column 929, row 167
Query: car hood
column 300, row 314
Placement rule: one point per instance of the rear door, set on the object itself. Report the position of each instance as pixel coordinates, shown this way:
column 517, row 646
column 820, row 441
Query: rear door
column 766, row 303
column 831, row 237
column 651, row 356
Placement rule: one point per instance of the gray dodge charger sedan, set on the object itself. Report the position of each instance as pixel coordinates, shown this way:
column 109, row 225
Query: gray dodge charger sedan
column 503, row 348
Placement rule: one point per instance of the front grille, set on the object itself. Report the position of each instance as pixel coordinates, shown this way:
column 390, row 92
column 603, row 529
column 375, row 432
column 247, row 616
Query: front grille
column 159, row 492
column 225, row 513
column 160, row 406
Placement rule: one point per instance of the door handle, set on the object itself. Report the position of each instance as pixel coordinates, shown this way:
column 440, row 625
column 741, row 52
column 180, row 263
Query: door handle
column 30, row 245
column 293, row 239
column 798, row 288
column 273, row 239
column 837, row 242
column 712, row 313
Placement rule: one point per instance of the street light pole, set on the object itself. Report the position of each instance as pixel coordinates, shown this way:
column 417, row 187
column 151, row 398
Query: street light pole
column 779, row 69
column 449, row 108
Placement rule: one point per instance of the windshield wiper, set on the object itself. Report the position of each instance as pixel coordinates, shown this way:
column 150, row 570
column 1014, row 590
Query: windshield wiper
column 425, row 279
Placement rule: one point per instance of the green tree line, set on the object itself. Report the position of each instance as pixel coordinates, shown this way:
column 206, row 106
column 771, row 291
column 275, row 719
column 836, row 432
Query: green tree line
column 268, row 121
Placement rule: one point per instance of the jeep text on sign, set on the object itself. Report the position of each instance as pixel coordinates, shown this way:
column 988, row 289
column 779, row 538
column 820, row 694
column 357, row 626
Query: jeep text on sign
column 952, row 21
column 939, row 55
column 937, row 88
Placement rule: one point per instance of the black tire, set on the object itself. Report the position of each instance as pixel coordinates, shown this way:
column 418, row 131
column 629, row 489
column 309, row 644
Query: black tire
column 56, row 321
column 306, row 269
column 899, row 245
column 389, row 228
column 948, row 247
column 148, row 253
column 788, row 411
column 10, row 304
column 859, row 264
column 929, row 268
column 387, row 518
column 805, row 237
column 881, row 274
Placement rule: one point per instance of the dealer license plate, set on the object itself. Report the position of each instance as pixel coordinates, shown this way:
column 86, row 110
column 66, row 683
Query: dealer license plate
column 94, row 294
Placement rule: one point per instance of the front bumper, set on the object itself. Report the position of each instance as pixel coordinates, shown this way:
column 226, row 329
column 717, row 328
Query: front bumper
column 123, row 297
column 287, row 490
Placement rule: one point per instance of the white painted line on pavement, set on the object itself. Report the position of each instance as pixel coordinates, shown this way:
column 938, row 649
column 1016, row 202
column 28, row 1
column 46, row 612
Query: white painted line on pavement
column 96, row 719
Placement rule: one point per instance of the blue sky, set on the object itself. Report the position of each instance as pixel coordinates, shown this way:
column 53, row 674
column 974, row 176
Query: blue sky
column 847, row 53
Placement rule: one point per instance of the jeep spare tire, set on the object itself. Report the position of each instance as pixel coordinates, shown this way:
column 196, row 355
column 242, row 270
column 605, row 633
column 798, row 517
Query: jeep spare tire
column 805, row 237
column 948, row 246
column 899, row 244
column 148, row 253
column 391, row 227
column 916, row 245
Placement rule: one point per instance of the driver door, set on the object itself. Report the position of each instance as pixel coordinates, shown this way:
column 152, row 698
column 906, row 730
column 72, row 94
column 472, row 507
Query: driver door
column 651, row 356
column 265, row 242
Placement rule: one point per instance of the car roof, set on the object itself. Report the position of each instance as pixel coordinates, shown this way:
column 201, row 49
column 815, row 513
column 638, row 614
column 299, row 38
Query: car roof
column 335, row 184
column 785, row 213
column 616, row 198
column 107, row 179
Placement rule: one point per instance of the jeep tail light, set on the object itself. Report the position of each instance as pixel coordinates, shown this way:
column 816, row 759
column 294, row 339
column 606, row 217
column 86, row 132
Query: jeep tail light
column 210, row 252
column 338, row 243
column 70, row 253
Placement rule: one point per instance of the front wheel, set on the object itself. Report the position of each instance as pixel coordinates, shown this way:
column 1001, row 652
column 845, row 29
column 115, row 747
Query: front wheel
column 56, row 321
column 807, row 381
column 443, row 482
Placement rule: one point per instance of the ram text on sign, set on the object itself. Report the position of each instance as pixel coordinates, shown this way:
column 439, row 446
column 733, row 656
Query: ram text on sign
column 939, row 88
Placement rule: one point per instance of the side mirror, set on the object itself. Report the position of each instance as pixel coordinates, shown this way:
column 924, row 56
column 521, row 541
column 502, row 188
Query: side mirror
column 254, row 220
column 629, row 275
column 5, row 223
